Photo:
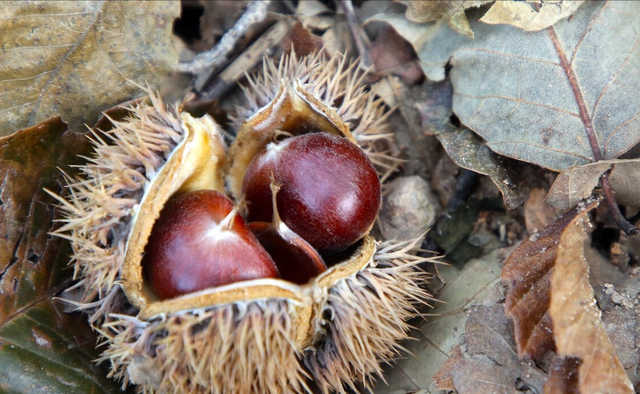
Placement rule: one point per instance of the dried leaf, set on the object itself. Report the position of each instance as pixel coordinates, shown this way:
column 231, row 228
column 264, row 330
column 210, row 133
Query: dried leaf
column 576, row 183
column 488, row 362
column 452, row 11
column 533, row 96
column 301, row 40
column 530, row 15
column 393, row 54
column 75, row 59
column 528, row 272
column 42, row 349
column 537, row 213
column 563, row 377
column 468, row 151
column 577, row 325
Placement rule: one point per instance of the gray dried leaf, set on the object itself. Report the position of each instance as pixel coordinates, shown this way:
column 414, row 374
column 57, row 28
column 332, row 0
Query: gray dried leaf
column 514, row 88
column 511, row 88
column 577, row 183
column 468, row 151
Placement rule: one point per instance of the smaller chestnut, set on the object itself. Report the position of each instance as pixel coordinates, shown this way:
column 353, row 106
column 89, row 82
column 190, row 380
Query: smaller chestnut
column 297, row 261
column 330, row 192
column 198, row 242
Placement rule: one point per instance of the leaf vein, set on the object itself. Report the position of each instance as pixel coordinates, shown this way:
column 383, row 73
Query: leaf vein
column 62, row 61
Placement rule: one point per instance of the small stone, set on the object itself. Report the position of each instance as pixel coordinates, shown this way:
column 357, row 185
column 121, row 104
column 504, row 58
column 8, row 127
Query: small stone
column 409, row 209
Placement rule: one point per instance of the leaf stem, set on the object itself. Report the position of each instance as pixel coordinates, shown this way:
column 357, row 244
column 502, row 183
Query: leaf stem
column 621, row 221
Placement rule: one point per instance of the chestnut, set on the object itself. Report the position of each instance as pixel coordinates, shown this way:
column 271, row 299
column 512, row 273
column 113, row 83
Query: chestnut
column 296, row 260
column 198, row 242
column 330, row 192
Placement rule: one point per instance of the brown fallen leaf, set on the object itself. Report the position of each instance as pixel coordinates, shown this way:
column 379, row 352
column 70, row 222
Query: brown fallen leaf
column 576, row 183
column 528, row 272
column 530, row 15
column 451, row 11
column 75, row 59
column 42, row 349
column 301, row 40
column 487, row 363
column 577, row 325
column 563, row 377
column 393, row 54
column 537, row 213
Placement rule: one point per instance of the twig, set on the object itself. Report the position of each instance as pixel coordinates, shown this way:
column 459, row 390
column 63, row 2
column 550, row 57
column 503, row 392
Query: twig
column 247, row 60
column 621, row 221
column 357, row 33
column 218, row 55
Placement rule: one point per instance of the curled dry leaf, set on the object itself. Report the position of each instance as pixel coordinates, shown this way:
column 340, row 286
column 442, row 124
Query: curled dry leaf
column 451, row 11
column 577, row 324
column 463, row 146
column 42, row 349
column 576, row 183
column 530, row 15
column 528, row 272
column 470, row 152
column 75, row 59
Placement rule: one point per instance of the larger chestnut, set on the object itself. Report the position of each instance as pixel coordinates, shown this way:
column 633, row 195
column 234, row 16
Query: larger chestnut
column 200, row 242
column 329, row 190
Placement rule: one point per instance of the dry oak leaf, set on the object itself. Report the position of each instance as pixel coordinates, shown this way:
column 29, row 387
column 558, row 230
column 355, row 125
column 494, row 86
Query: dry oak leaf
column 577, row 324
column 576, row 183
column 42, row 349
column 452, row 11
column 74, row 59
column 527, row 273
column 530, row 15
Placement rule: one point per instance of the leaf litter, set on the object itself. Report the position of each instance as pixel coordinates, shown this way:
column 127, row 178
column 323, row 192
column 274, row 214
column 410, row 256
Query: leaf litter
column 473, row 346
column 75, row 59
column 41, row 347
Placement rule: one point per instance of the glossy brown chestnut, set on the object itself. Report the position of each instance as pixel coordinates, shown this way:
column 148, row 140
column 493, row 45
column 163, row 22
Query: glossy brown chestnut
column 329, row 190
column 296, row 260
column 200, row 242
